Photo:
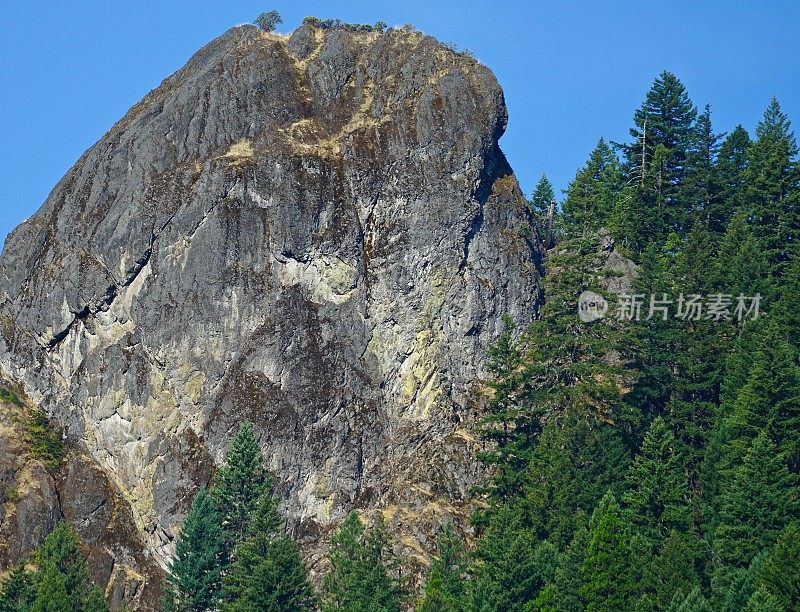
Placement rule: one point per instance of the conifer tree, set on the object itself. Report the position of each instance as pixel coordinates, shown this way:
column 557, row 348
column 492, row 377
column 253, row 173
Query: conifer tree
column 701, row 189
column 779, row 572
column 511, row 565
column 763, row 601
column 773, row 186
column 364, row 573
column 693, row 602
column 238, row 484
column 608, row 578
column 592, row 193
column 14, row 590
column 577, row 460
column 57, row 579
column 445, row 586
column 193, row 579
column 731, row 173
column 755, row 507
column 566, row 591
column 657, row 494
column 657, row 157
column 267, row 574
column 543, row 195
column 672, row 572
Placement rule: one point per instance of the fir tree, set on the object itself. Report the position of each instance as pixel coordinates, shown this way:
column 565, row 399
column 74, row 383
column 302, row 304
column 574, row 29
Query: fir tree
column 592, row 193
column 541, row 198
column 62, row 575
column 577, row 460
column 512, row 566
column 657, row 157
column 267, row 573
column 364, row 572
column 238, row 484
column 701, row 189
column 731, row 173
column 15, row 590
column 608, row 578
column 672, row 572
column 773, row 186
column 756, row 506
column 657, row 494
column 445, row 586
column 566, row 591
column 193, row 579
column 763, row 601
column 779, row 572
column 693, row 602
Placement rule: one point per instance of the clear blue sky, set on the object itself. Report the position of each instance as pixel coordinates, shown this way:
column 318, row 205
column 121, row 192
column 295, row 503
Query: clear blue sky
column 571, row 71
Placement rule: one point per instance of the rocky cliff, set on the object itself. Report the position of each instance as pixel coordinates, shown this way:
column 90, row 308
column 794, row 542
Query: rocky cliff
column 318, row 234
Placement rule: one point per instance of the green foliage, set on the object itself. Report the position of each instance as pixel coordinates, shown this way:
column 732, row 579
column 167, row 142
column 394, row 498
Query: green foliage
column 755, row 506
column 657, row 495
column 541, row 198
column 268, row 21
column 267, row 573
column 45, row 442
column 779, row 572
column 364, row 574
column 238, row 484
column 592, row 194
column 338, row 24
column 193, row 579
column 608, row 576
column 445, row 586
column 56, row 579
column 7, row 395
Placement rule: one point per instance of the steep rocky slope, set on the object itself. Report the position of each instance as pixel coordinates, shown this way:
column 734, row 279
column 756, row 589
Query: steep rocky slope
column 316, row 233
column 38, row 490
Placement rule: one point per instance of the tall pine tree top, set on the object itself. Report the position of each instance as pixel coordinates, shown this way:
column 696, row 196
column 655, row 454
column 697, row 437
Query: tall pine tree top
column 238, row 484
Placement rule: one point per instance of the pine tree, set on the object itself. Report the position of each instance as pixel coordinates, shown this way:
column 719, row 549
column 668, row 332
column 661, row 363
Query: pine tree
column 693, row 602
column 701, row 189
column 672, row 572
column 731, row 173
column 577, row 460
column 755, row 507
column 779, row 573
column 566, row 591
column 364, row 572
column 773, row 186
column 607, row 574
column 657, row 157
column 511, row 565
column 592, row 193
column 657, row 494
column 445, row 586
column 62, row 575
column 268, row 573
column 543, row 195
column 15, row 590
column 770, row 400
column 193, row 579
column 763, row 601
column 238, row 484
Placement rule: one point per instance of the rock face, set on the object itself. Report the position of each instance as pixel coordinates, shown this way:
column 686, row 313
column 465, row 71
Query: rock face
column 318, row 234
column 35, row 496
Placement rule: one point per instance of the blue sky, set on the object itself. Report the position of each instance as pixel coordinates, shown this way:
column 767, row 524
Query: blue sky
column 571, row 71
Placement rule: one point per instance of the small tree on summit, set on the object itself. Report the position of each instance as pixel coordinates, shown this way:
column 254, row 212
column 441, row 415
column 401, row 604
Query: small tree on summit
column 268, row 21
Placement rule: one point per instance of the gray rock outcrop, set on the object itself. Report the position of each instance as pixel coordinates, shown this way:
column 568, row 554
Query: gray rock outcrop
column 318, row 234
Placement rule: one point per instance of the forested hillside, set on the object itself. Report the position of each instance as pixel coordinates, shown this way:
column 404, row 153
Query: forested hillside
column 650, row 460
column 647, row 460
